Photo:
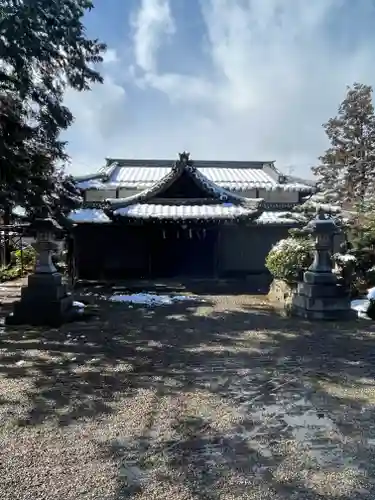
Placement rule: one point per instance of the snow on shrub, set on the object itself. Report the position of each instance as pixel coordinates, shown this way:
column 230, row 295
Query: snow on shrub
column 344, row 258
column 289, row 258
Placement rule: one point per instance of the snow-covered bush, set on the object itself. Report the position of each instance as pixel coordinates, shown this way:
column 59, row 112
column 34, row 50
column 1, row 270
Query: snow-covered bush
column 362, row 239
column 344, row 258
column 354, row 265
column 345, row 264
column 290, row 257
column 371, row 306
column 371, row 275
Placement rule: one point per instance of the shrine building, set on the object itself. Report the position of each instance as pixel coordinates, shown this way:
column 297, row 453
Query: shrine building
column 156, row 219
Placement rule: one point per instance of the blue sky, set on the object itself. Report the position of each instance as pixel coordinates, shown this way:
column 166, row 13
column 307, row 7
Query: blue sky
column 223, row 79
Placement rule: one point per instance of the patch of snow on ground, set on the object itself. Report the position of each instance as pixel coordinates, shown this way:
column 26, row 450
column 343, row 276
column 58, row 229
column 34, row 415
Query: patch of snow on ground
column 312, row 429
column 305, row 426
column 80, row 306
column 360, row 306
column 150, row 299
column 317, row 434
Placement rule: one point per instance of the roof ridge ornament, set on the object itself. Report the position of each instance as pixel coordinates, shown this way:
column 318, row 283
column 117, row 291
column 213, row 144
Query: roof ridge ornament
column 184, row 159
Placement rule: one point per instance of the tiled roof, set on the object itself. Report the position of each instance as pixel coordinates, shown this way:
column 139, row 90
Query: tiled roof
column 239, row 179
column 145, row 163
column 211, row 189
column 230, row 178
column 275, row 218
column 292, row 179
column 95, row 215
column 234, row 179
column 135, row 175
column 93, row 184
column 158, row 211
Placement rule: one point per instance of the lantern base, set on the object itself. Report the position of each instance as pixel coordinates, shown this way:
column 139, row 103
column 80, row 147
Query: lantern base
column 45, row 301
column 320, row 277
column 318, row 301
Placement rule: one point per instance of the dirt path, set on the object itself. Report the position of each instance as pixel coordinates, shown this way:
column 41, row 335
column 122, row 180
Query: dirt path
column 210, row 399
column 10, row 290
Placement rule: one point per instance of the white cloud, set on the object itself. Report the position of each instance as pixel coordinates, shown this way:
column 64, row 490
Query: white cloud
column 152, row 23
column 274, row 73
column 99, row 124
column 110, row 57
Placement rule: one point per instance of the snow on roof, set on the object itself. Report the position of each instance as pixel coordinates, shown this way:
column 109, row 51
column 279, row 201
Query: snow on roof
column 226, row 210
column 93, row 184
column 276, row 218
column 231, row 178
column 88, row 215
column 158, row 211
column 227, row 178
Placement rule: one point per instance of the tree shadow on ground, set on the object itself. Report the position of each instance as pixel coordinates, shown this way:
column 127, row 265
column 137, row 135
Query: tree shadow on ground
column 204, row 463
column 257, row 284
column 261, row 371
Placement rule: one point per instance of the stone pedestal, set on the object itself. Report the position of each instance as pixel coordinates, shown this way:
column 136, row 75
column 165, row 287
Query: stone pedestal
column 45, row 300
column 319, row 296
column 322, row 301
column 281, row 295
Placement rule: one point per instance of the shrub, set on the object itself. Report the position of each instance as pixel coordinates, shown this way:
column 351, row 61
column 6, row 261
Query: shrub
column 289, row 258
column 345, row 264
column 362, row 238
column 21, row 264
column 26, row 256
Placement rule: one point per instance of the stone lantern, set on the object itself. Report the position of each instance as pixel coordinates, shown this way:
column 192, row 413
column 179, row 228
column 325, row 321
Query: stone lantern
column 320, row 296
column 323, row 229
column 46, row 230
column 45, row 300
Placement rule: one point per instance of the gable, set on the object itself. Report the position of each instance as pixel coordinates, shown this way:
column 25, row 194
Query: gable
column 183, row 182
column 184, row 186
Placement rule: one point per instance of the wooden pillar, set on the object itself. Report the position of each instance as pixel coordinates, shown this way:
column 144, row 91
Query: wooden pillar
column 71, row 259
column 217, row 253
column 149, row 262
column 7, row 216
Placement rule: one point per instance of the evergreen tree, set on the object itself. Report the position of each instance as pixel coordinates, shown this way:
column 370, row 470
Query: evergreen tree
column 347, row 168
column 43, row 50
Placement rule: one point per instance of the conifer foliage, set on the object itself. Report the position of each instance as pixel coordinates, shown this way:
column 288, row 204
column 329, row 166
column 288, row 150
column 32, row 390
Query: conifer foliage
column 347, row 168
column 43, row 51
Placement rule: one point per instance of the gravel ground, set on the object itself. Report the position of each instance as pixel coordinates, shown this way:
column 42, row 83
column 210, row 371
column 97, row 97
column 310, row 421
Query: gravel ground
column 216, row 398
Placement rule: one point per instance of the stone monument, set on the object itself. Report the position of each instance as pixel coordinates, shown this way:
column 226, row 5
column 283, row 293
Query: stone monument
column 320, row 296
column 45, row 300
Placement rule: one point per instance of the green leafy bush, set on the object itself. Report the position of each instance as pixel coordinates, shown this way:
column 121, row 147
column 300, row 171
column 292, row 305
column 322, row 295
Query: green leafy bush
column 9, row 273
column 22, row 263
column 289, row 258
column 25, row 257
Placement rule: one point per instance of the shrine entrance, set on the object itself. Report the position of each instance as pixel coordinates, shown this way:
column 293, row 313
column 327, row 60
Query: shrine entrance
column 181, row 251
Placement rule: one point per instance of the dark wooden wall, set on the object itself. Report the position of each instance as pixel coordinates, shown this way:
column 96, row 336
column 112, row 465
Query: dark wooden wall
column 243, row 250
column 110, row 251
